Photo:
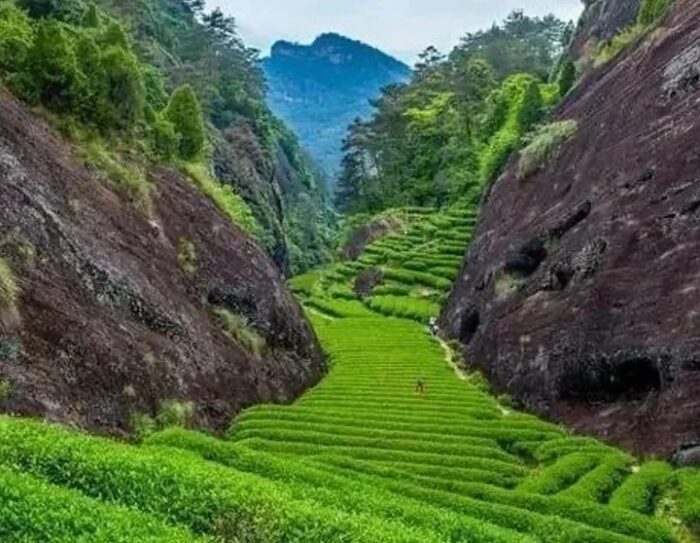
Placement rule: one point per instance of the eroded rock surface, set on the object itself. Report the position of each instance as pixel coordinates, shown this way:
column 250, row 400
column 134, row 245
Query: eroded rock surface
column 111, row 323
column 581, row 291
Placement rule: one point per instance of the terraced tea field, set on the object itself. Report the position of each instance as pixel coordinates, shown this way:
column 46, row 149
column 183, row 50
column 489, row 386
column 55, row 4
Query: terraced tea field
column 395, row 445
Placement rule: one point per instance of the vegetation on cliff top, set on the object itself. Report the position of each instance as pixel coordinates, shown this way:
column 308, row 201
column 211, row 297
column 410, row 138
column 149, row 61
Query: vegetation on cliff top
column 161, row 81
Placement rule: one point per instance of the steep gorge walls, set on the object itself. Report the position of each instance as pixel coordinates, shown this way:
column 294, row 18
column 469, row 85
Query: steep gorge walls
column 120, row 312
column 601, row 20
column 580, row 294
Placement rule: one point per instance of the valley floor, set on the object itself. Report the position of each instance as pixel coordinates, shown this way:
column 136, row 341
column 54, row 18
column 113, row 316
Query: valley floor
column 393, row 446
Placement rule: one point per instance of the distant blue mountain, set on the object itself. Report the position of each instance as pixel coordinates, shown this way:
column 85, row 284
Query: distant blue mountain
column 319, row 89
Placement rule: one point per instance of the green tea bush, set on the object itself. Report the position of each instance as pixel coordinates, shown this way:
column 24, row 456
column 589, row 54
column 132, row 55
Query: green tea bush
column 404, row 306
column 560, row 475
column 35, row 511
column 689, row 481
column 181, row 488
column 599, row 484
column 544, row 146
column 641, row 491
column 416, row 278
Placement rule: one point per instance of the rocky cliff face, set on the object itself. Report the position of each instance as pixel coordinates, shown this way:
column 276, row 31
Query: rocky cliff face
column 602, row 19
column 112, row 324
column 580, row 293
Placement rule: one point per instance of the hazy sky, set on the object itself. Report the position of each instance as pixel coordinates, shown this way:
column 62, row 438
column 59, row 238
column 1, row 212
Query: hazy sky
column 400, row 27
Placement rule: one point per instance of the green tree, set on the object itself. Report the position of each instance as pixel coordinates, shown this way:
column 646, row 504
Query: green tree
column 530, row 110
column 567, row 77
column 92, row 18
column 125, row 90
column 52, row 61
column 185, row 113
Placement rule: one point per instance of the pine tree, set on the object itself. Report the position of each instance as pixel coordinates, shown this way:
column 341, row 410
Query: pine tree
column 567, row 77
column 92, row 18
column 126, row 93
column 530, row 110
column 185, row 113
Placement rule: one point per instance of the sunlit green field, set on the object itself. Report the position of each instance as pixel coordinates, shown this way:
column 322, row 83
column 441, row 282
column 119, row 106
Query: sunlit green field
column 364, row 457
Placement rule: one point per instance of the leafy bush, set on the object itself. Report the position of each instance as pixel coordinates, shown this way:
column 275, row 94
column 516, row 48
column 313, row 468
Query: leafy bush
column 652, row 10
column 187, row 256
column 238, row 329
column 175, row 413
column 16, row 38
column 610, row 49
column 544, row 146
column 641, row 490
column 187, row 118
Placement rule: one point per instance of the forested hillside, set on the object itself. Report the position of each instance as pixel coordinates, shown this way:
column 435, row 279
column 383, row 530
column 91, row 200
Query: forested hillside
column 443, row 136
column 106, row 73
column 319, row 89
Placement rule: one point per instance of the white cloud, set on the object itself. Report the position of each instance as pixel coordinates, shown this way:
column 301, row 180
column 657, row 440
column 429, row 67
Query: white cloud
column 400, row 27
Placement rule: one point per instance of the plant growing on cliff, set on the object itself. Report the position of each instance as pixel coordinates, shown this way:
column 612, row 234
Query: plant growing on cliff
column 652, row 10
column 544, row 146
column 9, row 294
column 187, row 256
column 237, row 328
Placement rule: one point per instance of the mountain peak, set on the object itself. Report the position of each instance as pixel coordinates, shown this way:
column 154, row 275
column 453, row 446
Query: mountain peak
column 320, row 88
column 337, row 49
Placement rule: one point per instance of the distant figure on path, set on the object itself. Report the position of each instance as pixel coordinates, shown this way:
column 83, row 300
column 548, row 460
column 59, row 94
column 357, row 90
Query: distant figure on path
column 433, row 326
column 420, row 387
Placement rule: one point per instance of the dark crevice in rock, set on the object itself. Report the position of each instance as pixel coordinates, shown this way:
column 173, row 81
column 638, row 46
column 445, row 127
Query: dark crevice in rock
column 469, row 326
column 613, row 380
column 527, row 259
column 576, row 218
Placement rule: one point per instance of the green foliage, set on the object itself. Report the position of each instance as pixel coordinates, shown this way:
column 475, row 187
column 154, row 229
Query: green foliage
column 650, row 11
column 239, row 330
column 442, row 137
column 224, row 197
column 34, row 510
column 5, row 390
column 641, row 491
column 124, row 88
column 185, row 114
column 127, row 178
column 187, row 256
column 175, row 413
column 689, row 480
column 545, row 144
column 102, row 67
column 610, row 49
column 16, row 38
column 567, row 77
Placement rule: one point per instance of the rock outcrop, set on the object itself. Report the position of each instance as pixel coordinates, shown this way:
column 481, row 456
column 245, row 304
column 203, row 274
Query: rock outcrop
column 580, row 294
column 113, row 322
column 601, row 20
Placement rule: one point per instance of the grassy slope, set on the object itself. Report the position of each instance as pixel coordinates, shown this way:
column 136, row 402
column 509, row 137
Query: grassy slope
column 362, row 457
